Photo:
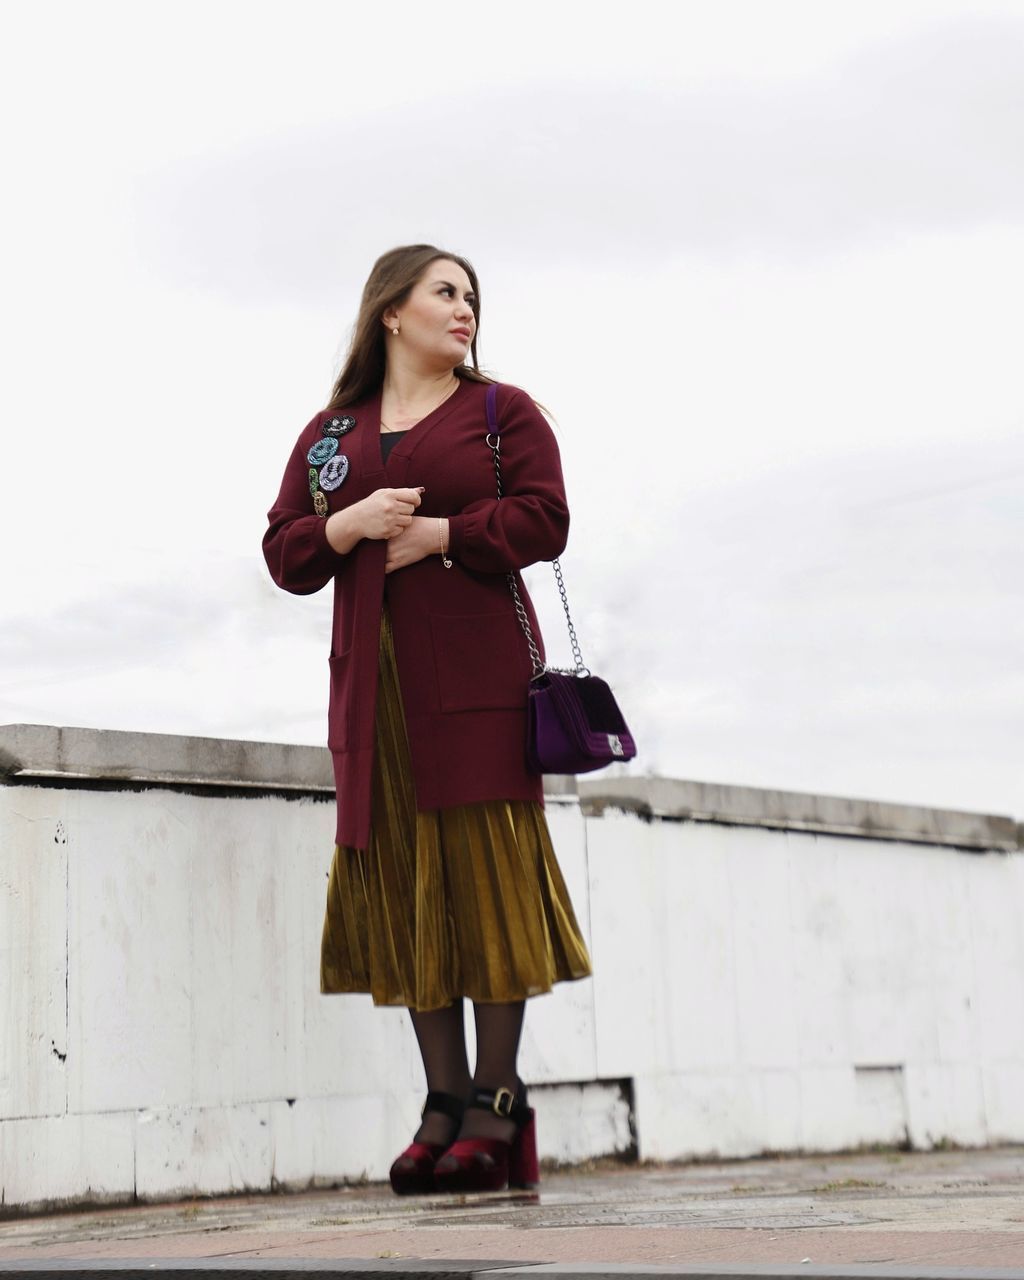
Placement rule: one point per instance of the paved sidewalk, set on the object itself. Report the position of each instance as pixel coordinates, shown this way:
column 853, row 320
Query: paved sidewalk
column 935, row 1213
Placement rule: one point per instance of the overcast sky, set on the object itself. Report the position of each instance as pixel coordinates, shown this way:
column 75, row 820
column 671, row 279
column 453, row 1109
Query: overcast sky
column 763, row 262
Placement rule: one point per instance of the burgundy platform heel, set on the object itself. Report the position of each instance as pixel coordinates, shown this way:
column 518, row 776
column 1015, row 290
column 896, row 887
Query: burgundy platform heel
column 413, row 1172
column 489, row 1164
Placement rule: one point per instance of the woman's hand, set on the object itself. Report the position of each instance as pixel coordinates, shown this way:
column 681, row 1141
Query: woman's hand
column 384, row 514
column 418, row 540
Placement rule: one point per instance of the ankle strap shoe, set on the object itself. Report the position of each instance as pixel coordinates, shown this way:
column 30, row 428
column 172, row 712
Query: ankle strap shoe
column 413, row 1171
column 490, row 1164
column 503, row 1102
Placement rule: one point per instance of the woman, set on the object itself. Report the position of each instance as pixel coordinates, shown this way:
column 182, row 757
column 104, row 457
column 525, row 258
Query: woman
column 444, row 884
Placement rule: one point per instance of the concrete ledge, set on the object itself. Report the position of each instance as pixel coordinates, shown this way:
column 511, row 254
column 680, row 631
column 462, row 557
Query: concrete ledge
column 667, row 798
column 48, row 753
column 36, row 752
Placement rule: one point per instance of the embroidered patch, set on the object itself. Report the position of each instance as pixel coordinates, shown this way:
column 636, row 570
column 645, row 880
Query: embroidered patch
column 338, row 426
column 314, row 480
column 319, row 503
column 322, row 452
column 332, row 475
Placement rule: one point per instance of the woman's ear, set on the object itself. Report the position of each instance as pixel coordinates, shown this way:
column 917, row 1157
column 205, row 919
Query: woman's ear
column 390, row 318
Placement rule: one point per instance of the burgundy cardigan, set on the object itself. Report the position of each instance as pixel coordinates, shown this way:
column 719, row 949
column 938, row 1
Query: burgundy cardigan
column 463, row 662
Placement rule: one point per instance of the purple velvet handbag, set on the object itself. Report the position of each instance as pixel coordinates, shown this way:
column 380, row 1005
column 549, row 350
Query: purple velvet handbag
column 574, row 724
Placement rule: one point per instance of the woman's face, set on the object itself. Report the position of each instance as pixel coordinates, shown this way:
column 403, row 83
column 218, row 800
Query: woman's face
column 436, row 323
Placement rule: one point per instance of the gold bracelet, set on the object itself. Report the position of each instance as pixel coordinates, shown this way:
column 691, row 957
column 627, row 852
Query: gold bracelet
column 440, row 537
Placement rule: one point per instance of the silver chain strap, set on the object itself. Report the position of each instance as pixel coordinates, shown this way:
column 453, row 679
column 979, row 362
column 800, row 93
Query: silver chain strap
column 494, row 442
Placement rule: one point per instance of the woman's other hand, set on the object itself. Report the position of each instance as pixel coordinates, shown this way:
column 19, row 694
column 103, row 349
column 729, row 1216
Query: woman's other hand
column 386, row 513
column 417, row 541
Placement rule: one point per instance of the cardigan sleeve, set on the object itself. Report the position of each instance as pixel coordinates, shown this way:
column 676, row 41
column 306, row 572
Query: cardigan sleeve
column 531, row 521
column 295, row 546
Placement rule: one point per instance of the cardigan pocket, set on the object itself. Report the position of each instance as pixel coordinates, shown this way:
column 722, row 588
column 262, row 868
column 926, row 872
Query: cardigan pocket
column 481, row 661
column 341, row 710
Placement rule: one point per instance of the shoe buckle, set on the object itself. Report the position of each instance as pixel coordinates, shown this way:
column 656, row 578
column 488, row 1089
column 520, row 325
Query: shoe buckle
column 504, row 1101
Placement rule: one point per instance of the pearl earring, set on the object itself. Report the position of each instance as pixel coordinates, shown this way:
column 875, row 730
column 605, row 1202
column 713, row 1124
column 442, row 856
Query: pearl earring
column 395, row 332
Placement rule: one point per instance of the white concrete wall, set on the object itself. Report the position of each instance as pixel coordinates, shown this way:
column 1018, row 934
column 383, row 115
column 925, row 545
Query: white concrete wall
column 162, row 1031
column 771, row 990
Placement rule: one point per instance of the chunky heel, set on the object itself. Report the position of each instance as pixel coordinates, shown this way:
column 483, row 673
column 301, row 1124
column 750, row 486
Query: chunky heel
column 523, row 1167
column 413, row 1171
column 489, row 1164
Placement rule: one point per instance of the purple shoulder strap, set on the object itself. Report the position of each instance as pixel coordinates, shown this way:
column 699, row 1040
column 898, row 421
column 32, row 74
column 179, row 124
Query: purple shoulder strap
column 492, row 408
column 494, row 444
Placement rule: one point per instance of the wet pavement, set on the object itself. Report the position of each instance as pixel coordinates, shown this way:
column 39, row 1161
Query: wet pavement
column 936, row 1213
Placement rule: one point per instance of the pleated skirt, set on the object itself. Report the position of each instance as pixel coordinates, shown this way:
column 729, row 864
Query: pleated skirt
column 465, row 901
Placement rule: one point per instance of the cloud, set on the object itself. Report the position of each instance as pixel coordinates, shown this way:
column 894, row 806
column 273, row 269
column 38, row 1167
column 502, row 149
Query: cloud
column 916, row 135
column 162, row 617
column 845, row 625
column 773, row 312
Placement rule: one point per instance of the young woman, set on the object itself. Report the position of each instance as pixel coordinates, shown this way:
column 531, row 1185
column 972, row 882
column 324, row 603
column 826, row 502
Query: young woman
column 444, row 884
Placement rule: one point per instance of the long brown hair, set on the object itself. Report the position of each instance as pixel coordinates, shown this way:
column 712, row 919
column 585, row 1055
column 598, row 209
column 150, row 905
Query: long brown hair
column 389, row 284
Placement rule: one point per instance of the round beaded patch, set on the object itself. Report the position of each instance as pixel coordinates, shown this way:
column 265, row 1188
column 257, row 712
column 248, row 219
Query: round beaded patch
column 338, row 426
column 322, row 452
column 333, row 473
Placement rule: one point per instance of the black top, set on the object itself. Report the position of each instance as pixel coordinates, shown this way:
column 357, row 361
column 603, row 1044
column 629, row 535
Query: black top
column 388, row 440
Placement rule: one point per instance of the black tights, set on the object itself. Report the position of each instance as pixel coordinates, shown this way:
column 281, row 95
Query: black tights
column 442, row 1040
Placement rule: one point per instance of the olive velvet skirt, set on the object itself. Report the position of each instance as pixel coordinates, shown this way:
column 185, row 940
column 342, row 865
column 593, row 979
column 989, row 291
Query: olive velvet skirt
column 467, row 901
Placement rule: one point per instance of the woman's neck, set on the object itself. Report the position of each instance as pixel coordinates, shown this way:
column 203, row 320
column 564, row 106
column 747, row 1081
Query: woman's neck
column 409, row 389
column 408, row 395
